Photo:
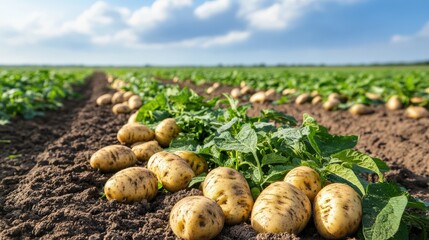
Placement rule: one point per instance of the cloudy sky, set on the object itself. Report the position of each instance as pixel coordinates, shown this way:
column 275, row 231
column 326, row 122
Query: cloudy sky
column 186, row 32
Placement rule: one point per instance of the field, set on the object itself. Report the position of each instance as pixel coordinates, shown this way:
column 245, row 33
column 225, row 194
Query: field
column 48, row 189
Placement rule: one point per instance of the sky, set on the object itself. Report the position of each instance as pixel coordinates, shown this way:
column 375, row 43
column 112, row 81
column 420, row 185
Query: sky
column 197, row 32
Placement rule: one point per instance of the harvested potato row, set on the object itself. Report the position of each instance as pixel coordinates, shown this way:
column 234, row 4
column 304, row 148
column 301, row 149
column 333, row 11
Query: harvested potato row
column 172, row 171
column 196, row 218
column 121, row 108
column 104, row 99
column 134, row 132
column 231, row 191
column 197, row 163
column 281, row 207
column 305, row 179
column 135, row 102
column 166, row 131
column 145, row 150
column 132, row 185
column 337, row 211
column 113, row 158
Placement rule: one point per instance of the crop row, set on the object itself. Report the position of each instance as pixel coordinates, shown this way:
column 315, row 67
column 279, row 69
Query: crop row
column 265, row 163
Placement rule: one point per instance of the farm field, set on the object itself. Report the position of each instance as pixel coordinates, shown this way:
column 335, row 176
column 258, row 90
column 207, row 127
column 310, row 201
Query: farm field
column 49, row 190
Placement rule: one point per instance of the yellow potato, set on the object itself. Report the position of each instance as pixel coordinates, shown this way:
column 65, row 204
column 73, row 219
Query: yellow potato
column 132, row 185
column 113, row 158
column 134, row 132
column 314, row 93
column 166, row 131
column 197, row 163
column 270, row 94
column 231, row 191
column 258, row 97
column 337, row 211
column 331, row 104
column 416, row 112
column 135, row 102
column 305, row 179
column 245, row 90
column 127, row 95
column 373, row 96
column 132, row 118
column 210, row 90
column 339, row 97
column 281, row 207
column 417, row 100
column 316, row 100
column 120, row 108
column 172, row 171
column 303, row 98
column 118, row 97
column 104, row 99
column 288, row 91
column 360, row 109
column 196, row 218
column 235, row 93
column 144, row 151
column 394, row 103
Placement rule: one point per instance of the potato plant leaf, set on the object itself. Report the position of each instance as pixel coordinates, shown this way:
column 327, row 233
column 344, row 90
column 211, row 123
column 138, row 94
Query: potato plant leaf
column 245, row 141
column 340, row 173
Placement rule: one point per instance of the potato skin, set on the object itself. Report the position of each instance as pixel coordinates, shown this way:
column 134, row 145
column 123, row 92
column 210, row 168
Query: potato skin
column 113, row 158
column 166, row 131
column 127, row 95
column 196, row 218
column 281, row 207
column 145, row 150
column 132, row 185
column 394, row 103
column 118, row 97
column 197, row 163
column 134, row 132
column 135, row 102
column 172, row 171
column 305, row 179
column 258, row 97
column 104, row 99
column 231, row 191
column 337, row 211
column 120, row 108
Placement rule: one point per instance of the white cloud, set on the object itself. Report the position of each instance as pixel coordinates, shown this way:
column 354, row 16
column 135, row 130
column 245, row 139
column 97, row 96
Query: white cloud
column 212, row 8
column 422, row 34
column 148, row 16
column 227, row 39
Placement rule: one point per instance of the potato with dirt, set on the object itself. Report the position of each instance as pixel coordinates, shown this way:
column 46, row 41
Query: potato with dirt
column 337, row 211
column 113, row 158
column 131, row 185
column 231, row 191
column 104, row 99
column 145, row 150
column 196, row 218
column 197, row 163
column 281, row 207
column 258, row 97
column 305, row 179
column 360, row 109
column 135, row 102
column 416, row 112
column 166, row 131
column 132, row 118
column 303, row 98
column 394, row 103
column 127, row 95
column 120, row 108
column 171, row 170
column 118, row 97
column 134, row 132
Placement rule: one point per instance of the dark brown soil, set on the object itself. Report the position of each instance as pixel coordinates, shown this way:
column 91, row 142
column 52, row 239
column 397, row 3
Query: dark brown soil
column 50, row 191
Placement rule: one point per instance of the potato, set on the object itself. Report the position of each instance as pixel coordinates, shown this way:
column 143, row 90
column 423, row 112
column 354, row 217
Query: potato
column 303, row 98
column 427, row 90
column 135, row 102
column 210, row 90
column 231, row 191
column 144, row 151
column 132, row 118
column 166, row 131
column 416, row 112
column 216, row 85
column 118, row 84
column 196, row 218
column 314, row 93
column 245, row 90
column 113, row 158
column 316, row 100
column 120, row 108
column 281, row 207
column 118, row 97
column 235, row 93
column 243, row 84
column 172, row 171
column 127, row 95
column 270, row 94
column 373, row 96
column 337, row 211
column 132, row 185
column 110, row 78
column 360, row 109
column 305, row 179
column 394, row 103
column 197, row 163
column 134, row 132
column 176, row 79
column 339, row 97
column 104, row 99
column 331, row 104
column 417, row 100
column 288, row 91
column 258, row 97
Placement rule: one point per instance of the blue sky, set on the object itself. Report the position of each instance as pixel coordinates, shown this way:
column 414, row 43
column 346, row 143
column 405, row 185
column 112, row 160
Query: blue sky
column 196, row 32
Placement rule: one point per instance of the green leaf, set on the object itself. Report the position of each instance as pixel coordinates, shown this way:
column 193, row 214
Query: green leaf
column 360, row 159
column 274, row 158
column 279, row 117
column 276, row 173
column 383, row 207
column 197, row 179
column 339, row 173
column 244, row 142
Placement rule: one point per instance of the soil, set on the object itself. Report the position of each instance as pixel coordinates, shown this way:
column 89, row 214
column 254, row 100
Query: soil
column 49, row 191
